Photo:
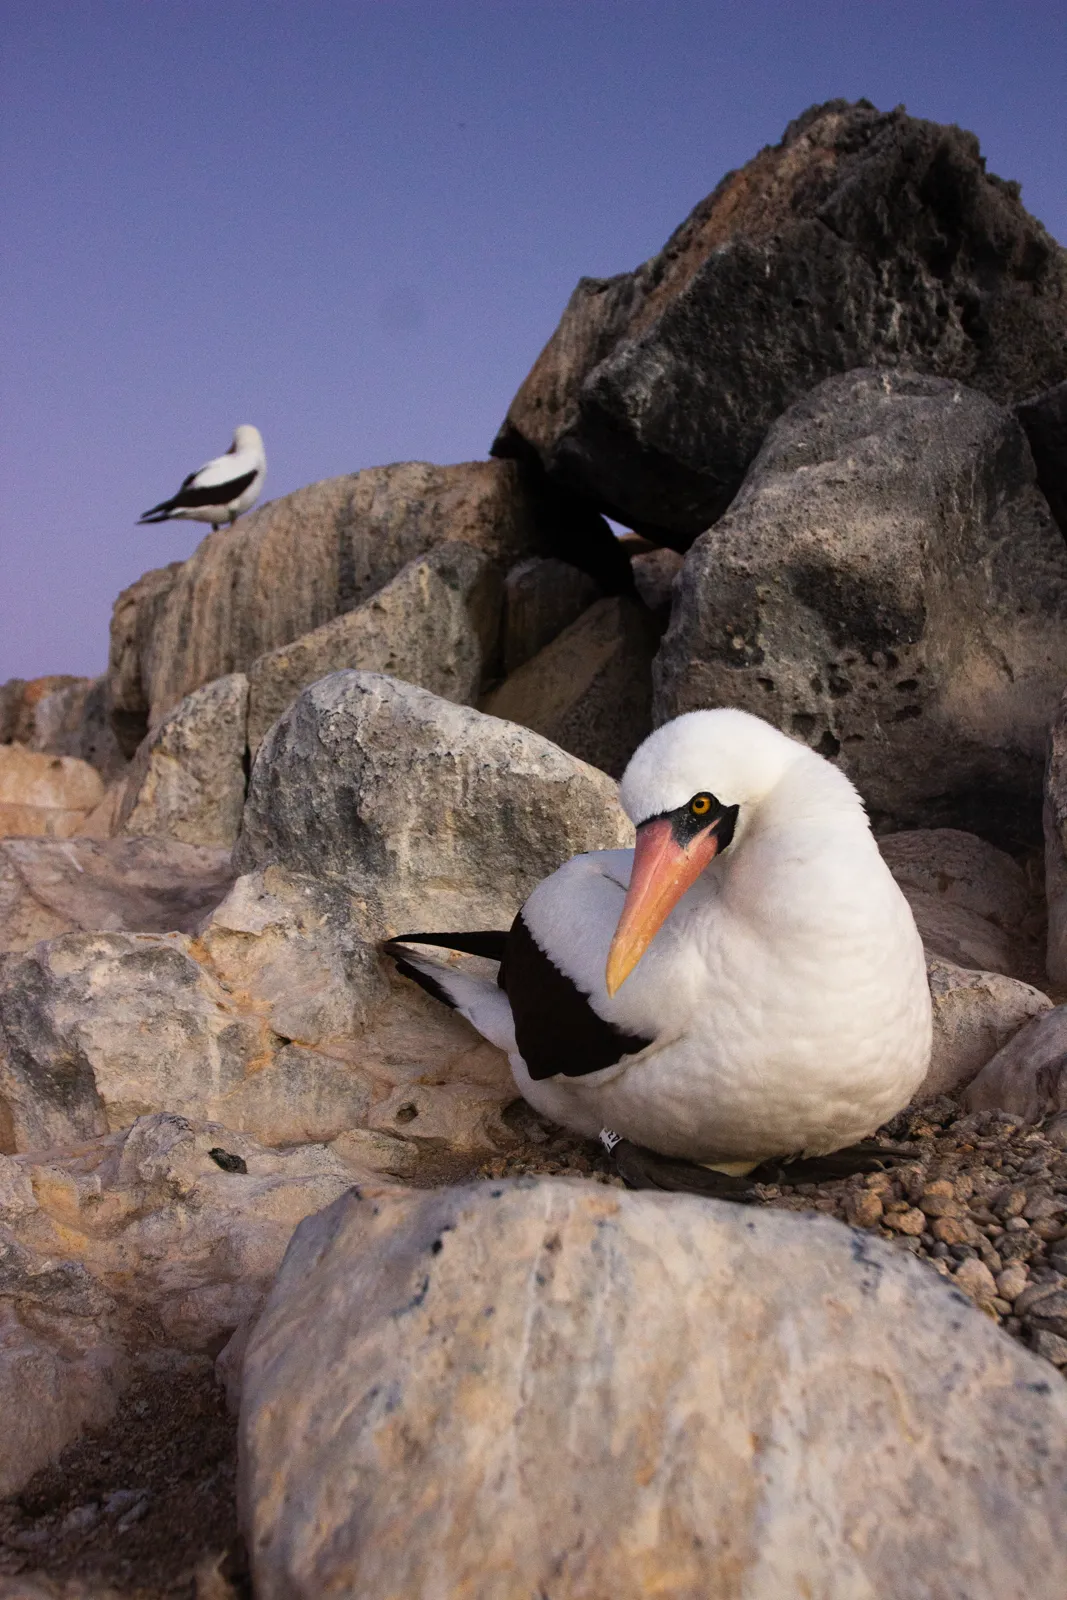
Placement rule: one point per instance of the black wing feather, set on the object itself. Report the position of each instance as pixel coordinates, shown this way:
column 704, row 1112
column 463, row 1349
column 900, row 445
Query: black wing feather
column 556, row 1029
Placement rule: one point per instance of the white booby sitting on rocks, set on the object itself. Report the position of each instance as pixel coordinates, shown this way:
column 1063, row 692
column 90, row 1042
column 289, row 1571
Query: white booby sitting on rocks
column 222, row 488
column 747, row 984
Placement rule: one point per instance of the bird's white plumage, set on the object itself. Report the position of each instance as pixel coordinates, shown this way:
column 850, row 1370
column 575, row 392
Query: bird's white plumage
column 245, row 456
column 786, row 993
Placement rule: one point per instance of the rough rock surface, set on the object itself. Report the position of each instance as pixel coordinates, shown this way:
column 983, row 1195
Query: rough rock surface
column 542, row 596
column 435, row 624
column 20, row 701
column 75, row 721
column 975, row 1014
column 590, row 690
column 558, row 1388
column 139, row 885
column 187, row 780
column 1054, row 817
column 433, row 814
column 141, row 1239
column 972, row 903
column 1045, row 420
column 45, row 795
column 888, row 586
column 298, row 562
column 862, row 238
column 277, row 1020
column 1028, row 1077
column 654, row 574
column 132, row 653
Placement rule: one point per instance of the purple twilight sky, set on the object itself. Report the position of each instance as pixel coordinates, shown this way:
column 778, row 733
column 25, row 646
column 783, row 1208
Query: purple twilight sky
column 356, row 224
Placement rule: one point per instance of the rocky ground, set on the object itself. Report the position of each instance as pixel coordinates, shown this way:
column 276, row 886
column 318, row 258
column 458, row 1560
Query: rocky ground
column 247, row 1168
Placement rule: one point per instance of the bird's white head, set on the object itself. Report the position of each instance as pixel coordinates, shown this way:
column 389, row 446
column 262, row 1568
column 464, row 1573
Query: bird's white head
column 246, row 437
column 694, row 788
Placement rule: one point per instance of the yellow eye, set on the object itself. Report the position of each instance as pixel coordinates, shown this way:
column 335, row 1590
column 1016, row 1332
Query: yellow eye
column 700, row 805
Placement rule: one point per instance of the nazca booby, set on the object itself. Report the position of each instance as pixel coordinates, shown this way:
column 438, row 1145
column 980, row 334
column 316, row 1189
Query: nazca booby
column 222, row 488
column 748, row 983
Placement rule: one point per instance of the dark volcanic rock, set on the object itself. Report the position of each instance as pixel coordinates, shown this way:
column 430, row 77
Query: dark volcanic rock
column 863, row 238
column 1045, row 421
column 888, row 586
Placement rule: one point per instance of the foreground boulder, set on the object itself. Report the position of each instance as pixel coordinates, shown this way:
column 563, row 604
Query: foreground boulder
column 295, row 564
column 590, row 690
column 136, row 885
column 890, row 587
column 558, row 1388
column 433, row 815
column 861, row 238
column 435, row 624
column 278, row 1020
column 45, row 795
column 161, row 1238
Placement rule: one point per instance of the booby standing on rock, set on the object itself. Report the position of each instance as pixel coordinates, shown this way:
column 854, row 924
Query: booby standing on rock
column 222, row 488
column 746, row 985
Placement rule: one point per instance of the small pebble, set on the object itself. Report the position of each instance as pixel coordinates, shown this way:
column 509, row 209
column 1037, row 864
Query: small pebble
column 1012, row 1281
column 910, row 1222
column 1051, row 1346
column 975, row 1279
column 81, row 1518
column 1017, row 1225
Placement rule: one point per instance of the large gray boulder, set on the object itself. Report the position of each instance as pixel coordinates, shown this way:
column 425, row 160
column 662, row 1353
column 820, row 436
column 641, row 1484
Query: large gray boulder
column 433, row 815
column 557, row 1388
column 296, row 563
column 890, row 587
column 435, row 624
column 187, row 780
column 1028, row 1076
column 862, row 238
column 136, row 885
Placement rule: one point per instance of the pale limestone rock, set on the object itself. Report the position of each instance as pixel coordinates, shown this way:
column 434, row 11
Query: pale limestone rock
column 278, row 1020
column 971, row 902
column 105, row 819
column 294, row 564
column 554, row 1387
column 542, row 596
column 127, row 1242
column 432, row 814
column 434, row 624
column 44, row 795
column 132, row 658
column 139, row 885
column 975, row 1014
column 74, row 721
column 590, row 690
column 1028, row 1076
column 187, row 780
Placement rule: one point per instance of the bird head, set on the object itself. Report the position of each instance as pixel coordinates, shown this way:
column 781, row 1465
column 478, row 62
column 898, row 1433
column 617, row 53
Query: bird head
column 693, row 789
column 246, row 437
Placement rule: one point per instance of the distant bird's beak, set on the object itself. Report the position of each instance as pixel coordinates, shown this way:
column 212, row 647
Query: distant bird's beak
column 662, row 872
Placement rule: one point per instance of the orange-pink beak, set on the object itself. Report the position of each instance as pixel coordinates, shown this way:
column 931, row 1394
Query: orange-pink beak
column 662, row 872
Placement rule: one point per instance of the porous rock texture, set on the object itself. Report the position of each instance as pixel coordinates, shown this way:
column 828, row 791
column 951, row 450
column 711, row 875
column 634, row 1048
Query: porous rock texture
column 163, row 1237
column 888, row 586
column 137, row 885
column 559, row 1388
column 1028, row 1076
column 278, row 1020
column 434, row 815
column 862, row 238
column 296, row 563
column 435, row 624
column 43, row 795
column 590, row 689
column 187, row 780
